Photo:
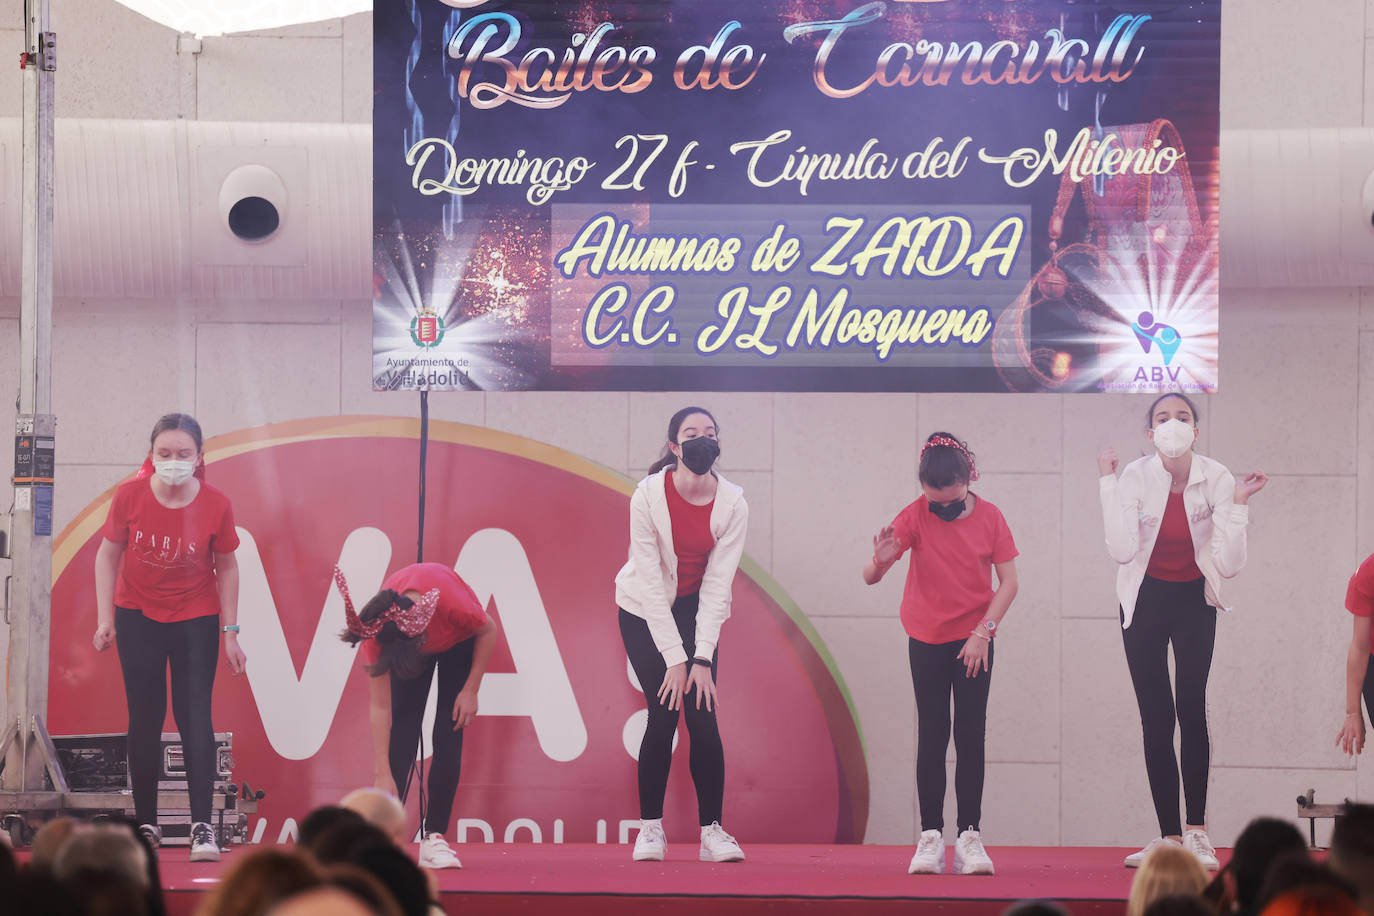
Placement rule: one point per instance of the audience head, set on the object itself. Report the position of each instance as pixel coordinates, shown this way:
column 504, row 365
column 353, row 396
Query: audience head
column 380, row 809
column 321, row 820
column 1180, row 905
column 49, row 839
column 9, row 868
column 1035, row 908
column 325, row 900
column 372, row 850
column 106, row 848
column 1312, row 901
column 157, row 906
column 1168, row 870
column 106, row 892
column 1297, row 871
column 364, row 887
column 1352, row 850
column 37, row 892
column 259, row 881
column 1263, row 840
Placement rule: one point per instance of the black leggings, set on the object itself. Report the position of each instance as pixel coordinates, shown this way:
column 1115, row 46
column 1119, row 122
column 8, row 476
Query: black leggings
column 146, row 649
column 408, row 696
column 936, row 672
column 1178, row 613
column 707, row 757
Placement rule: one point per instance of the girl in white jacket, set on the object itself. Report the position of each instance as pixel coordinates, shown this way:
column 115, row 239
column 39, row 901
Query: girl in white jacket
column 1175, row 523
column 687, row 527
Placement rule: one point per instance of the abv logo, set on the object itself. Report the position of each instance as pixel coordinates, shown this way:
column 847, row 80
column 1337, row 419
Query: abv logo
column 1151, row 332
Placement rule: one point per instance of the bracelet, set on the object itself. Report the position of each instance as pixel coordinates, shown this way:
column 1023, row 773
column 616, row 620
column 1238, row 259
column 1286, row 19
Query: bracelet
column 877, row 565
column 705, row 663
column 1352, row 715
column 229, row 628
column 981, row 635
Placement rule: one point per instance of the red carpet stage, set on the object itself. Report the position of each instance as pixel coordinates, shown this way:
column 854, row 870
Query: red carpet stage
column 560, row 879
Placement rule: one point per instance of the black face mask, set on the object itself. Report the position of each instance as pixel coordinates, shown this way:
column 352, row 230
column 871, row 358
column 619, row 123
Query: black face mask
column 948, row 511
column 699, row 454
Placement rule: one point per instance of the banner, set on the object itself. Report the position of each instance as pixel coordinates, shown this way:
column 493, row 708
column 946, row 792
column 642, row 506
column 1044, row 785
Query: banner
column 795, row 195
column 552, row 755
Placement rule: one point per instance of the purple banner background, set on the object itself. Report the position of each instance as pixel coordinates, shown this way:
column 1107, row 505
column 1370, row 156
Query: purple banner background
column 970, row 195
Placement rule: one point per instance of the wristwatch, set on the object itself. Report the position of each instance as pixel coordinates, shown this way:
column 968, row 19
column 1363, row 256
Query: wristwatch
column 229, row 628
column 990, row 626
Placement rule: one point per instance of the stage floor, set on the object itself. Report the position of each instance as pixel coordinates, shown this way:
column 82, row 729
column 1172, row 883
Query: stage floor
column 547, row 878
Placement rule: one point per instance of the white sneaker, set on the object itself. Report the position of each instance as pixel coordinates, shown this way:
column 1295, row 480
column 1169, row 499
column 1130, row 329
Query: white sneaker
column 204, row 845
column 651, row 845
column 970, row 858
column 930, row 854
column 1135, row 858
column 1199, row 844
column 152, row 833
column 436, row 853
column 719, row 846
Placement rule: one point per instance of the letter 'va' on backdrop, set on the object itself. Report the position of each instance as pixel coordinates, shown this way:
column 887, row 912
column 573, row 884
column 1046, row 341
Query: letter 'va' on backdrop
column 796, row 195
column 540, row 541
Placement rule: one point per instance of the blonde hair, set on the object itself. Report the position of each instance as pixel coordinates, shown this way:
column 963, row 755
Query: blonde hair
column 1166, row 871
column 380, row 809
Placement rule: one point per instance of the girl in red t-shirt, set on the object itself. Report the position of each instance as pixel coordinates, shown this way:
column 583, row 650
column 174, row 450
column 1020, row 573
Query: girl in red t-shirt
column 950, row 611
column 425, row 618
column 166, row 586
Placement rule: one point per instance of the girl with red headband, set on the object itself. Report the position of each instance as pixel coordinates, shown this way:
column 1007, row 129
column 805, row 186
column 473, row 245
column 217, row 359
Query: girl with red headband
column 424, row 618
column 166, row 587
column 951, row 613
column 1175, row 525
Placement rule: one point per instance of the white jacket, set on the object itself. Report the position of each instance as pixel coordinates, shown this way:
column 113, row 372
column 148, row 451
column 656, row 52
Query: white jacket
column 646, row 585
column 1133, row 507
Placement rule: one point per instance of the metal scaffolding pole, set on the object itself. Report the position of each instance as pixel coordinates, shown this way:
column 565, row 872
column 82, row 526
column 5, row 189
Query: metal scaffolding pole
column 24, row 744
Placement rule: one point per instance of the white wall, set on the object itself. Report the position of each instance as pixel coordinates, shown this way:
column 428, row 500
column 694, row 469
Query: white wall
column 823, row 471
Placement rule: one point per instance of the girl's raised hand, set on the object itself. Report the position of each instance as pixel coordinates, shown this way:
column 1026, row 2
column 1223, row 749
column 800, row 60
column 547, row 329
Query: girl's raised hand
column 1106, row 462
column 886, row 547
column 1249, row 485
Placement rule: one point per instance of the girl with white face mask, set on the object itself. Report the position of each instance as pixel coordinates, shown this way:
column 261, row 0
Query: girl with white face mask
column 166, row 588
column 1175, row 524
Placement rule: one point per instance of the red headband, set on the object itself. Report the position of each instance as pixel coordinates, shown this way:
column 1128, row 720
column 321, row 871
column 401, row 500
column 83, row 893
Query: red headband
column 411, row 621
column 946, row 442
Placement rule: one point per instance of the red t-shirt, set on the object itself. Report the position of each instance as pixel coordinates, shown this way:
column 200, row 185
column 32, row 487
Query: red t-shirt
column 949, row 577
column 1359, row 594
column 168, row 567
column 1173, row 559
column 692, row 540
column 458, row 616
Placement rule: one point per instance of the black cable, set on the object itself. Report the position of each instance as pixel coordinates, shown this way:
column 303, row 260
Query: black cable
column 420, row 558
column 424, row 452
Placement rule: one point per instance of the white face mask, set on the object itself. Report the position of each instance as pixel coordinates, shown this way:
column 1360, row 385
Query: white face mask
column 1173, row 438
column 174, row 473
